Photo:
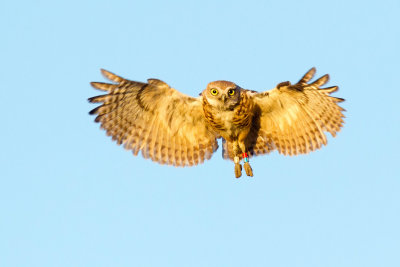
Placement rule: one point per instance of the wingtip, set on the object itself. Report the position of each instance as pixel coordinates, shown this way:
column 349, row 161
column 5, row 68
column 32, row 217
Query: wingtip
column 330, row 90
column 111, row 76
column 103, row 86
column 322, row 80
column 92, row 99
column 105, row 73
column 308, row 76
column 93, row 111
column 311, row 72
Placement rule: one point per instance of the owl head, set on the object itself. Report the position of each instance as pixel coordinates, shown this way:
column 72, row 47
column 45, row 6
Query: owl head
column 222, row 94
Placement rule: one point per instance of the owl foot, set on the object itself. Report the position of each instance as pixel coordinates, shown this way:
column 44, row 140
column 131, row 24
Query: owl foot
column 248, row 169
column 238, row 167
column 238, row 170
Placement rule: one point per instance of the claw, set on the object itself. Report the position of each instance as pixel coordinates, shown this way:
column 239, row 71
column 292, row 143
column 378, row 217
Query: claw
column 238, row 170
column 248, row 169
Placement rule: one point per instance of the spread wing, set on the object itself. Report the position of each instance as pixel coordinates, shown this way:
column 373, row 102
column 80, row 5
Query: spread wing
column 294, row 118
column 164, row 124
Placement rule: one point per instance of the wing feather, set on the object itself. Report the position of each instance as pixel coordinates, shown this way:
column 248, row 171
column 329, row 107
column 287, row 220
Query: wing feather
column 154, row 119
column 294, row 118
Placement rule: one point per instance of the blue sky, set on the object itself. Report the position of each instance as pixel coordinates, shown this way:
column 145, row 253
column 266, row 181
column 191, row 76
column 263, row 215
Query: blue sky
column 69, row 196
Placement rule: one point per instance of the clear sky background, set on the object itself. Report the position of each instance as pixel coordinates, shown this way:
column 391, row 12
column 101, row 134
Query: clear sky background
column 69, row 196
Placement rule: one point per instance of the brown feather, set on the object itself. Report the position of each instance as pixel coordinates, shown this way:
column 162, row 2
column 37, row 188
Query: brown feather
column 146, row 116
column 296, row 116
column 172, row 128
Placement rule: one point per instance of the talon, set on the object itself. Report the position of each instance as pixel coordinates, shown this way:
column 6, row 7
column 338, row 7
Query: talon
column 248, row 169
column 238, row 170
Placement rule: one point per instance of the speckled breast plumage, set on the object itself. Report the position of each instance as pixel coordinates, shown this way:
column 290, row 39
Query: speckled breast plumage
column 229, row 123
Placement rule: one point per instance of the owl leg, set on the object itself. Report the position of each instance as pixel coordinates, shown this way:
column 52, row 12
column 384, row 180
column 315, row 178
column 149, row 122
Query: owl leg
column 236, row 159
column 238, row 167
column 245, row 156
column 247, row 167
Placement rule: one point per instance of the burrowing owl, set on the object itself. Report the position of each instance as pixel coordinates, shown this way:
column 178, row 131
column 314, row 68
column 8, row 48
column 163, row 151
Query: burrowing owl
column 172, row 128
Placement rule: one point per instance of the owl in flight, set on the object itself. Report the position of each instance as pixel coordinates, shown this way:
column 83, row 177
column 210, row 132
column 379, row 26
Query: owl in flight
column 176, row 129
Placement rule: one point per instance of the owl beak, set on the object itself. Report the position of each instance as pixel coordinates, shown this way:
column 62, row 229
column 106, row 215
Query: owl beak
column 223, row 97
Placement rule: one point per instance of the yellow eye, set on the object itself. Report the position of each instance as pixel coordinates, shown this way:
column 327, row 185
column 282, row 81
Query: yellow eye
column 231, row 92
column 214, row 91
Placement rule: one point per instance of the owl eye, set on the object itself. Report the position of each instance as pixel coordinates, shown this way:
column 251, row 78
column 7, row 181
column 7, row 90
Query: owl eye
column 214, row 91
column 231, row 92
